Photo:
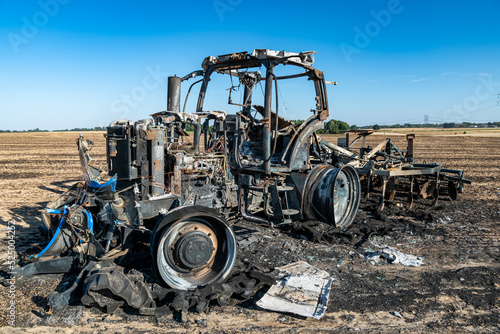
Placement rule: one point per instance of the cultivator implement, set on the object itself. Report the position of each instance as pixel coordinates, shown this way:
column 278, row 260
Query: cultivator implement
column 394, row 170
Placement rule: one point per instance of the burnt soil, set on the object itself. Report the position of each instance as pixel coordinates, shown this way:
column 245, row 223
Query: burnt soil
column 455, row 290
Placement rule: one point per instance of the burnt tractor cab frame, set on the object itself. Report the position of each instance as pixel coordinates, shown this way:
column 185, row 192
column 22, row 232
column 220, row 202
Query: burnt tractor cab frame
column 177, row 190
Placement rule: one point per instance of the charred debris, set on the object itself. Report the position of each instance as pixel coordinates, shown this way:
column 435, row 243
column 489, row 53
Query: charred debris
column 177, row 191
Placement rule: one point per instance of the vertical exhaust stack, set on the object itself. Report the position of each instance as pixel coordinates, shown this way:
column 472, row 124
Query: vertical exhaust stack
column 174, row 104
column 174, row 94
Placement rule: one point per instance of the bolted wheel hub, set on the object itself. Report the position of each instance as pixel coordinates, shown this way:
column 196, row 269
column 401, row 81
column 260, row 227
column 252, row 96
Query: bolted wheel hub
column 193, row 250
column 192, row 246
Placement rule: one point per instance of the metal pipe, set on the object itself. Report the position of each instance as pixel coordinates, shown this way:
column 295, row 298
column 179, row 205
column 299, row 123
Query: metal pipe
column 174, row 94
column 275, row 116
column 266, row 133
column 197, row 134
column 157, row 138
column 205, row 134
column 187, row 95
column 108, row 237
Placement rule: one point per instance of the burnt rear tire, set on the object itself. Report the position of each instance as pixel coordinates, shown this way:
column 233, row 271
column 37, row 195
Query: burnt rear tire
column 192, row 246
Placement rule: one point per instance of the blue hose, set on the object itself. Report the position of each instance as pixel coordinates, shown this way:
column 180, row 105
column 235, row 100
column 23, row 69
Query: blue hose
column 56, row 234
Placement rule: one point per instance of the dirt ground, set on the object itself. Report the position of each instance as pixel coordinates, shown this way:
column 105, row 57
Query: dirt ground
column 455, row 290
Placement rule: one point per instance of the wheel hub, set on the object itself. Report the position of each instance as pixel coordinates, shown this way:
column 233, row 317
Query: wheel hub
column 193, row 249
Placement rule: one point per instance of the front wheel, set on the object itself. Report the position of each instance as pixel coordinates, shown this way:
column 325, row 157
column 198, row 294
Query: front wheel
column 192, row 246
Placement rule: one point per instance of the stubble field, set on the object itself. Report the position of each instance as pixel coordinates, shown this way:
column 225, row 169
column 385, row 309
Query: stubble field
column 455, row 290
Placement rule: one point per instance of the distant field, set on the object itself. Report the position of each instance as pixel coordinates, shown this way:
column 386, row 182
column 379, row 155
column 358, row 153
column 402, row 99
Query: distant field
column 486, row 132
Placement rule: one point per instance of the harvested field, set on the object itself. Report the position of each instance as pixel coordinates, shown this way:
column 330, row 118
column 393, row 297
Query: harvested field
column 457, row 288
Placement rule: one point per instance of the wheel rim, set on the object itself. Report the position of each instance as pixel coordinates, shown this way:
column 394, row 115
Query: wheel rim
column 341, row 196
column 332, row 195
column 195, row 251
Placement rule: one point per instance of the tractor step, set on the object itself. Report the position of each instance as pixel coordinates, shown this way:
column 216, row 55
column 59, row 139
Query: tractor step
column 284, row 188
column 290, row 212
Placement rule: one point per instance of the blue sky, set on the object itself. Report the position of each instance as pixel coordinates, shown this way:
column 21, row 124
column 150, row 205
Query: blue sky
column 73, row 63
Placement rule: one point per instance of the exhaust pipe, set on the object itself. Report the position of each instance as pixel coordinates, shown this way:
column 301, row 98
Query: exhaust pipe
column 174, row 94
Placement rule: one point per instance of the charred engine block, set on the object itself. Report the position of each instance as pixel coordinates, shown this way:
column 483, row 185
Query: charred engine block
column 164, row 171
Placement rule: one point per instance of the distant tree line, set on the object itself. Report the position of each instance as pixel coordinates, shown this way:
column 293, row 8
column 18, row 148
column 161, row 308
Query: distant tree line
column 331, row 127
column 96, row 128
column 447, row 125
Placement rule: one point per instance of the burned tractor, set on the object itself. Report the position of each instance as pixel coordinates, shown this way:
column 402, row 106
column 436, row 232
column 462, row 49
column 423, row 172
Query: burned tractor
column 175, row 179
column 178, row 188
